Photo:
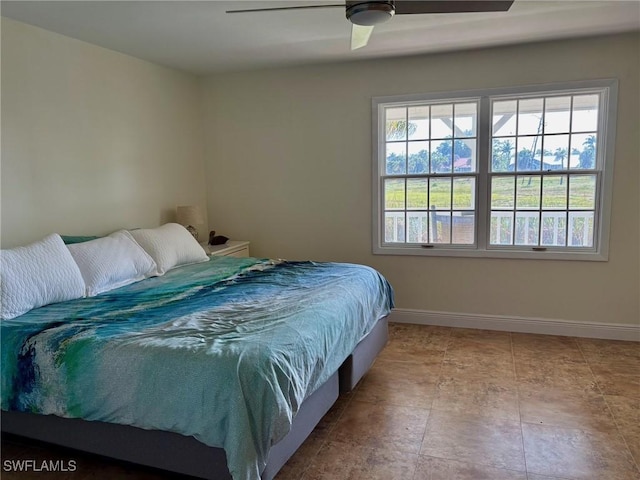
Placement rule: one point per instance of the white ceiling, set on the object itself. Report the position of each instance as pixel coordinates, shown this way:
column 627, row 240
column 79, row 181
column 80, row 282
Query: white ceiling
column 199, row 37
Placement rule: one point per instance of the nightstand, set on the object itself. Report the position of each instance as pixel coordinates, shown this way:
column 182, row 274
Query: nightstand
column 233, row 248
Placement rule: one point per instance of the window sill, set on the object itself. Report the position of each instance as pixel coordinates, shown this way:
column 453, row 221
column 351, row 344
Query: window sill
column 512, row 253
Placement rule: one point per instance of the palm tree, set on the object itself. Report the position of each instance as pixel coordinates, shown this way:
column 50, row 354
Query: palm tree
column 399, row 129
column 587, row 158
column 501, row 155
column 560, row 155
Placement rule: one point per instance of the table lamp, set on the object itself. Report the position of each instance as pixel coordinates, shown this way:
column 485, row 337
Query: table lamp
column 189, row 216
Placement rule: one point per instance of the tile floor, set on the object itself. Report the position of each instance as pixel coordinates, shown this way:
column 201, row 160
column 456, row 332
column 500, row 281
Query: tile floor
column 456, row 404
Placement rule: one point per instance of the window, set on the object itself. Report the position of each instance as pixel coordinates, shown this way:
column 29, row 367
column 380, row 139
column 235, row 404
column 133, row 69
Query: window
column 518, row 173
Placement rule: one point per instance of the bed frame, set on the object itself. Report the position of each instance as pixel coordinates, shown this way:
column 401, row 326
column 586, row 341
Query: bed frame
column 185, row 455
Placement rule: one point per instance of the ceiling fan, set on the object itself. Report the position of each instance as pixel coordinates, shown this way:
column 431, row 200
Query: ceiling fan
column 364, row 15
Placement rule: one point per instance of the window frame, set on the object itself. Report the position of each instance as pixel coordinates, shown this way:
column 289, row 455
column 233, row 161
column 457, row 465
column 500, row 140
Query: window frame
column 607, row 114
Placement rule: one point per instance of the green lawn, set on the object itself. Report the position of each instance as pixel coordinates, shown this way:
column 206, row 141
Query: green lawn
column 421, row 194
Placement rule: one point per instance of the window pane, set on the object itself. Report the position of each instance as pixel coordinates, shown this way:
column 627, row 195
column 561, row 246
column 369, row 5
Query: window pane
column 503, row 192
column 528, row 192
column 556, row 148
column 581, row 229
column 582, row 192
column 503, row 154
column 441, row 155
column 583, row 151
column 394, row 194
column 396, row 123
column 417, row 227
column 394, row 227
column 530, row 116
column 419, row 122
column 463, row 228
column 501, row 228
column 529, row 152
column 527, row 227
column 585, row 113
column 554, row 192
column 557, row 114
column 441, row 121
column 417, row 193
column 396, row 158
column 418, row 157
column 554, row 226
column 464, row 190
column 464, row 156
column 504, row 118
column 440, row 227
column 440, row 193
column 466, row 115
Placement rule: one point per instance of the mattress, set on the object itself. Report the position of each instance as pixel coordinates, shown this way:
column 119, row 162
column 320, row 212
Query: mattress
column 225, row 351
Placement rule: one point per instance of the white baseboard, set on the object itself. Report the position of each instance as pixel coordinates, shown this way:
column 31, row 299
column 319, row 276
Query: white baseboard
column 517, row 324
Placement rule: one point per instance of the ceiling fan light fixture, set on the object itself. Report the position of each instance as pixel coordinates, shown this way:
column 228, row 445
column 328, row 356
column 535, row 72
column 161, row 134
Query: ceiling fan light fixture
column 370, row 13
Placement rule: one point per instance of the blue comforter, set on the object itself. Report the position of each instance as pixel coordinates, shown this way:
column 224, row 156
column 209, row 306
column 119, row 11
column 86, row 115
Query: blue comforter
column 225, row 351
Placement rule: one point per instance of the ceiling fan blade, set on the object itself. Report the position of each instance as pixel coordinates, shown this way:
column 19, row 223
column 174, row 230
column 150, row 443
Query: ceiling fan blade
column 404, row 7
column 274, row 9
column 360, row 36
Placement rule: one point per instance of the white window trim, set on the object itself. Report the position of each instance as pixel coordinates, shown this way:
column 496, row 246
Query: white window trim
column 606, row 153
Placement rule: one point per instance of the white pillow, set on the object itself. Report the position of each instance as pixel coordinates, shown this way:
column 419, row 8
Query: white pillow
column 36, row 275
column 170, row 245
column 112, row 262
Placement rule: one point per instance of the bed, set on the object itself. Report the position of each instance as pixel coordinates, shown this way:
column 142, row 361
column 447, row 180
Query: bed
column 218, row 369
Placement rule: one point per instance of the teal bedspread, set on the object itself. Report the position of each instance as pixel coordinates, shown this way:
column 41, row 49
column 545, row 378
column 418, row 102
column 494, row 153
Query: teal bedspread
column 225, row 351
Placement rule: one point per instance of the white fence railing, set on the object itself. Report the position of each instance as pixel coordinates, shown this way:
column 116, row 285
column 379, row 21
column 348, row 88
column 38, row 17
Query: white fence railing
column 578, row 232
column 573, row 229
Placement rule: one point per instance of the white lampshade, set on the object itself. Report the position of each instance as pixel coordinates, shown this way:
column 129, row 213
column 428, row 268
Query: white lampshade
column 189, row 215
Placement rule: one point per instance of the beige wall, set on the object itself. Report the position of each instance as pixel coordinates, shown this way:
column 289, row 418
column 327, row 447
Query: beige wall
column 288, row 159
column 92, row 140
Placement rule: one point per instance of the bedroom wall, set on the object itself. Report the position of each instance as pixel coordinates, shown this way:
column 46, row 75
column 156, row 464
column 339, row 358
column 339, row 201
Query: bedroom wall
column 288, row 157
column 92, row 140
